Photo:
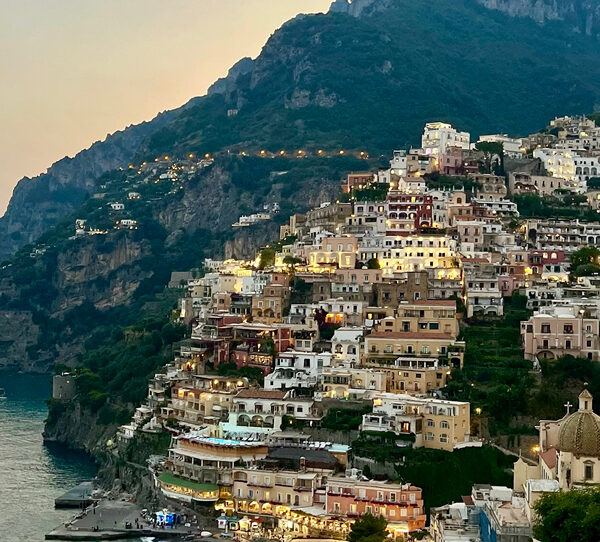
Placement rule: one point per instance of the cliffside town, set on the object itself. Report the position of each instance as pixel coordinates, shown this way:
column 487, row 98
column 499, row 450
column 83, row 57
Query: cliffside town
column 403, row 328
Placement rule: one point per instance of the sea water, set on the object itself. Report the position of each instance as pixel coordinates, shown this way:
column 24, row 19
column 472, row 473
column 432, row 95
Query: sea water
column 32, row 474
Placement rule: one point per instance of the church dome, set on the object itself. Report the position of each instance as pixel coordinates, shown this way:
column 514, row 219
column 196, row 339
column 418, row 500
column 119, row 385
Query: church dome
column 580, row 432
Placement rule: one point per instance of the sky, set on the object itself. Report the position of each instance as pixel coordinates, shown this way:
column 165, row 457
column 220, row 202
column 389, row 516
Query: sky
column 72, row 71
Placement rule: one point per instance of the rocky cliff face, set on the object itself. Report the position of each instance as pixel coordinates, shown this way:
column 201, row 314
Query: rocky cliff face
column 104, row 272
column 18, row 335
column 356, row 8
column 583, row 16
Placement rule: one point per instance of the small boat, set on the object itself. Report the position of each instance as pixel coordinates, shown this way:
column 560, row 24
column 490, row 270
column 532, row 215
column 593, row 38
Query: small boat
column 2, row 394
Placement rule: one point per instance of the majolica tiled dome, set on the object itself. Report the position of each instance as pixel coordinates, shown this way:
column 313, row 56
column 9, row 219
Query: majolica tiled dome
column 580, row 432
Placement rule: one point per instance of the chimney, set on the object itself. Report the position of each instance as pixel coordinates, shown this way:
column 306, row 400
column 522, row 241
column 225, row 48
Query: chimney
column 303, row 464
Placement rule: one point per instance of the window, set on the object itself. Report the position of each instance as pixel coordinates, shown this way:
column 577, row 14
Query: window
column 589, row 470
column 430, row 423
column 429, row 436
column 545, row 328
column 434, row 325
column 444, row 424
column 443, row 437
column 568, row 329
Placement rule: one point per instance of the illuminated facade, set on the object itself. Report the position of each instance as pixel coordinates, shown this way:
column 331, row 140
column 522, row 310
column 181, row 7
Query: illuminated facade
column 432, row 423
column 400, row 504
column 439, row 136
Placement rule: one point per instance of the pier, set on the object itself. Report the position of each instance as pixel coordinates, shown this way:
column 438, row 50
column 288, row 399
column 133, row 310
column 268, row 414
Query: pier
column 78, row 497
column 115, row 520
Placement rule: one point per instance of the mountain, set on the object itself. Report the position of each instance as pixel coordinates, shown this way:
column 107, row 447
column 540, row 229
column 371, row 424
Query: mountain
column 366, row 75
column 39, row 203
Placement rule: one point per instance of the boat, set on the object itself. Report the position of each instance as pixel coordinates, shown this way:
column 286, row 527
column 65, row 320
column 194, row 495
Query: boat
column 2, row 394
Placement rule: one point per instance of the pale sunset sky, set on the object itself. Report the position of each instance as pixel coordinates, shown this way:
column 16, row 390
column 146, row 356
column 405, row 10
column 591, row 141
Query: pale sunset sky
column 72, row 71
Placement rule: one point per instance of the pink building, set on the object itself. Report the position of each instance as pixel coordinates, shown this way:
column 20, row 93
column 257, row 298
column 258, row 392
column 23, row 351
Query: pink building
column 400, row 504
column 559, row 331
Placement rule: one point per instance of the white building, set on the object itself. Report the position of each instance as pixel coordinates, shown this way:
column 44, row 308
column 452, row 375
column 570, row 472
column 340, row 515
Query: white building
column 513, row 147
column 438, row 137
column 351, row 383
column 559, row 163
column 482, row 293
column 295, row 369
column 260, row 412
column 399, row 164
column 346, row 344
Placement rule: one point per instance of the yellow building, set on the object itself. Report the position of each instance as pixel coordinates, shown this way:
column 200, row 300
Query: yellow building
column 427, row 316
column 268, row 308
column 434, row 423
column 383, row 348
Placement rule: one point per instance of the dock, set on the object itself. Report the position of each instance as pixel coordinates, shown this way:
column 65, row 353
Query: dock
column 109, row 520
column 77, row 497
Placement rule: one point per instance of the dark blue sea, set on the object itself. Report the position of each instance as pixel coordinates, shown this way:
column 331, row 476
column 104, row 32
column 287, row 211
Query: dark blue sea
column 32, row 474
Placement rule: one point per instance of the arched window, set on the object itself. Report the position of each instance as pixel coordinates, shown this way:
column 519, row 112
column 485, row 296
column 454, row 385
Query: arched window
column 430, row 423
column 444, row 424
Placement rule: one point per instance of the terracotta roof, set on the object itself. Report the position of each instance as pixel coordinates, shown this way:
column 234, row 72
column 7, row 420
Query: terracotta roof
column 410, row 335
column 261, row 394
column 550, row 457
column 436, row 302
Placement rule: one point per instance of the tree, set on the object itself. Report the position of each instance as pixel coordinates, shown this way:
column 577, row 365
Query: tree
column 368, row 528
column 585, row 261
column 493, row 156
column 373, row 263
column 593, row 183
column 292, row 261
column 572, row 515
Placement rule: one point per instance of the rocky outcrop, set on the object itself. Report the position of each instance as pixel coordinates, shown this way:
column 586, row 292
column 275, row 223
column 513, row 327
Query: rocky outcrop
column 102, row 271
column 583, row 16
column 356, row 8
column 71, row 424
column 226, row 85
